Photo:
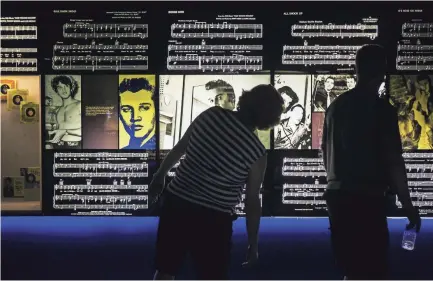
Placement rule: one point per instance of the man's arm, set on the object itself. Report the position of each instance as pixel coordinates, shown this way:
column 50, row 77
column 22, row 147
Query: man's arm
column 253, row 209
column 394, row 163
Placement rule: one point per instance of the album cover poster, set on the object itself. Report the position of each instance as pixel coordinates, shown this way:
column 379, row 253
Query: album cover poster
column 63, row 112
column 294, row 130
column 412, row 96
column 7, row 84
column 318, row 120
column 137, row 117
column 100, row 111
column 32, row 177
column 29, row 112
column 327, row 87
column 16, row 97
column 13, row 187
column 199, row 93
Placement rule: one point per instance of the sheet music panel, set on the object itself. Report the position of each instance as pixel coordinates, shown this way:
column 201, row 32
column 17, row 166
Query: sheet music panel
column 110, row 40
column 415, row 45
column 315, row 41
column 18, row 35
column 214, row 42
column 296, row 181
column 99, row 182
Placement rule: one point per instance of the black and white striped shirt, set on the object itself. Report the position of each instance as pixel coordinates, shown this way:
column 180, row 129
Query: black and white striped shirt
column 217, row 162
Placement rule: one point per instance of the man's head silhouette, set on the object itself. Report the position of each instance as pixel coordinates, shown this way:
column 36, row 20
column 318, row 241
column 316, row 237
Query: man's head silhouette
column 371, row 65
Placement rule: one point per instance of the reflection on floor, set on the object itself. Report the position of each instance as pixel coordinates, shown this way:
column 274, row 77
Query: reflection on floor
column 114, row 248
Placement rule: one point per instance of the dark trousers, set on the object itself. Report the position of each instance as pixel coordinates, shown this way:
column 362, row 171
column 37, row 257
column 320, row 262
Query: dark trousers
column 359, row 234
column 187, row 228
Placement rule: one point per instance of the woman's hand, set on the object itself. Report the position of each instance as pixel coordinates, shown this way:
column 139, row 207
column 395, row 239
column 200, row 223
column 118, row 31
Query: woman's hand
column 252, row 256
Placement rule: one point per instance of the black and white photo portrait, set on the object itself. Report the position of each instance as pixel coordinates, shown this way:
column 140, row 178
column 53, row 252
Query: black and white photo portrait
column 183, row 98
column 62, row 111
column 294, row 130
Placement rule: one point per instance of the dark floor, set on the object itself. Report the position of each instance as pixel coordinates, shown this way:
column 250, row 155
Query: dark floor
column 123, row 248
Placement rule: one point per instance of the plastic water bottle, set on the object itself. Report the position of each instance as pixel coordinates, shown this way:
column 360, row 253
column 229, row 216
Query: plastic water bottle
column 409, row 238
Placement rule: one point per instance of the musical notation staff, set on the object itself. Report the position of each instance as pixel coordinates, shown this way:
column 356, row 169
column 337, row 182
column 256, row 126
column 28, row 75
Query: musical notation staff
column 315, row 59
column 420, row 183
column 420, row 167
column 230, row 63
column 21, row 32
column 221, row 67
column 102, row 154
column 420, row 175
column 95, row 187
column 100, row 63
column 321, row 48
column 18, row 28
column 100, row 47
column 130, row 174
column 415, row 48
column 423, row 155
column 19, row 64
column 217, row 30
column 204, row 47
column 19, row 50
column 20, row 61
column 304, row 174
column 302, row 194
column 417, row 30
column 100, row 198
column 419, row 204
column 304, row 202
column 85, row 166
column 304, row 186
column 335, row 30
column 105, row 30
column 301, row 160
column 304, row 167
column 107, row 207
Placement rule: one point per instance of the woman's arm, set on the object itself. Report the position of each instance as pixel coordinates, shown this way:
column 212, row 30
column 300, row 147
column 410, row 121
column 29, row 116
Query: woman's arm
column 253, row 209
column 175, row 154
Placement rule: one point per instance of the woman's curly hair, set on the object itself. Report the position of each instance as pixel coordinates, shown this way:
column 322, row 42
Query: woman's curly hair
column 262, row 106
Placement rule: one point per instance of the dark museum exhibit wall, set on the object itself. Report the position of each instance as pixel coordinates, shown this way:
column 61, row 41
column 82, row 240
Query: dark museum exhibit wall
column 94, row 97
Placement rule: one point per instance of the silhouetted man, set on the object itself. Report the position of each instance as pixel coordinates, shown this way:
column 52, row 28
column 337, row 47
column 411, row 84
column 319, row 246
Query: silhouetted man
column 362, row 154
